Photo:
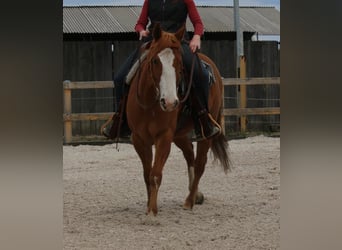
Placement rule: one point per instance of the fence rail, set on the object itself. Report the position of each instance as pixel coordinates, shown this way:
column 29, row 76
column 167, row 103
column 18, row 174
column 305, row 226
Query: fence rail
column 69, row 117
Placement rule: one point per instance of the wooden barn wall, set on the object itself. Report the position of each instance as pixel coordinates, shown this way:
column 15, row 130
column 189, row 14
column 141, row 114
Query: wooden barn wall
column 88, row 61
column 93, row 60
column 122, row 49
column 263, row 60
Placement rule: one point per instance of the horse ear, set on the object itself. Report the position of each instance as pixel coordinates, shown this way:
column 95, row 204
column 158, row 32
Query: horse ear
column 157, row 31
column 180, row 33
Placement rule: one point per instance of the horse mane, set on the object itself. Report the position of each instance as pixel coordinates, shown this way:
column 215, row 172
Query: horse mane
column 167, row 41
column 163, row 39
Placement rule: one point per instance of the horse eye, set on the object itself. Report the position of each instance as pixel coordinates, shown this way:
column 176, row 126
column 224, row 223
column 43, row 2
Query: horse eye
column 155, row 61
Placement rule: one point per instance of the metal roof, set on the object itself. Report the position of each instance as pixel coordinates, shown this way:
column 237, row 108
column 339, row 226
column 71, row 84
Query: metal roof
column 122, row 19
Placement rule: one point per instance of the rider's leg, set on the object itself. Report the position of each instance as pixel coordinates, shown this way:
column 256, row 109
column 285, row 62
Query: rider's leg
column 205, row 128
column 111, row 128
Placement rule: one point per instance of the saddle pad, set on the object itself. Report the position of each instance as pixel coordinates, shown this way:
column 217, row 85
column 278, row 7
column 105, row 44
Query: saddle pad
column 135, row 67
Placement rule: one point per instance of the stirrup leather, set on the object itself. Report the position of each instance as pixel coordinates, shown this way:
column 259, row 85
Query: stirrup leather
column 216, row 125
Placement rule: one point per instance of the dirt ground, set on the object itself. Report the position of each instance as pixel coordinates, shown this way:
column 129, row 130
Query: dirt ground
column 105, row 200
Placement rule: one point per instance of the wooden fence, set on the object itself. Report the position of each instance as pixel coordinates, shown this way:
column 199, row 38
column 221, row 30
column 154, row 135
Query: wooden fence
column 242, row 111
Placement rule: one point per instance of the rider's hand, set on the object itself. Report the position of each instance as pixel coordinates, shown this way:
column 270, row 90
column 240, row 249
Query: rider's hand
column 143, row 33
column 195, row 43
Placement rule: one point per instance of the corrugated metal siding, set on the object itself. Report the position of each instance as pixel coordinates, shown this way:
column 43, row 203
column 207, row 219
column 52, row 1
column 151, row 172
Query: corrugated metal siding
column 260, row 21
column 125, row 16
column 217, row 19
column 118, row 19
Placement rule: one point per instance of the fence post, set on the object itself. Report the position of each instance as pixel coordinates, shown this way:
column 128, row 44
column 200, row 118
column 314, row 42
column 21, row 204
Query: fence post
column 243, row 94
column 67, row 112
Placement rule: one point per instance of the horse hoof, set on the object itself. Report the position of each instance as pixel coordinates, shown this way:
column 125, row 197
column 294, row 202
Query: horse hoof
column 154, row 211
column 150, row 220
column 187, row 205
column 199, row 198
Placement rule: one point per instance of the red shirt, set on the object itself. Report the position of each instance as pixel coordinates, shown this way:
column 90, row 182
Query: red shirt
column 192, row 12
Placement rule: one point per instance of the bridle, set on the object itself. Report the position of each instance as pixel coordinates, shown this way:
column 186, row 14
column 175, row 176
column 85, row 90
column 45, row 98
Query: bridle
column 156, row 87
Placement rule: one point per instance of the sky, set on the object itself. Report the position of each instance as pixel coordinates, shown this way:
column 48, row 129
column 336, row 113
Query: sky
column 275, row 3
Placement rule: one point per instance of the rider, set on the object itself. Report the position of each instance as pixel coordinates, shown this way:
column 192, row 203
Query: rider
column 171, row 14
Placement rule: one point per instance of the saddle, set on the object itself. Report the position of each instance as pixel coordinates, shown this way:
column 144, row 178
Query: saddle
column 145, row 49
column 209, row 69
column 185, row 78
column 143, row 55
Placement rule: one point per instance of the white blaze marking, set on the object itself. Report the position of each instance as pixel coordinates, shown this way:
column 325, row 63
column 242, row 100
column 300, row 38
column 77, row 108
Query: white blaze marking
column 168, row 89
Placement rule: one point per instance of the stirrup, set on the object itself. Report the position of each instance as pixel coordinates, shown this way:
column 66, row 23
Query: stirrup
column 213, row 126
column 105, row 128
column 199, row 135
column 110, row 129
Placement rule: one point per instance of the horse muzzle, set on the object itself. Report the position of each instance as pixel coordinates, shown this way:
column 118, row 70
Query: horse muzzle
column 167, row 105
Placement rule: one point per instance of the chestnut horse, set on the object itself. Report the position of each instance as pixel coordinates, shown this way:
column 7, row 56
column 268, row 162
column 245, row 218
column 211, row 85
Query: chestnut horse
column 153, row 110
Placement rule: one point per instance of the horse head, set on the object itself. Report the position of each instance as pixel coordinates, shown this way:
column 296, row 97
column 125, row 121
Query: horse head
column 165, row 60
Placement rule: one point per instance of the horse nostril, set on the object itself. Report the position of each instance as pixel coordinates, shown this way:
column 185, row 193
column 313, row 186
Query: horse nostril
column 162, row 102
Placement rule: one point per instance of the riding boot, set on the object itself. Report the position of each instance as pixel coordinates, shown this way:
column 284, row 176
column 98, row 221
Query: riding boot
column 117, row 126
column 204, row 125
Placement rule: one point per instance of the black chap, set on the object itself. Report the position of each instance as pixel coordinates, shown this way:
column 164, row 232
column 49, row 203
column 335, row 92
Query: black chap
column 200, row 80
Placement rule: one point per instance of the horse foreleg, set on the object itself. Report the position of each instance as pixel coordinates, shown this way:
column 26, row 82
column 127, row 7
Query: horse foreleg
column 186, row 146
column 145, row 153
column 163, row 148
column 196, row 173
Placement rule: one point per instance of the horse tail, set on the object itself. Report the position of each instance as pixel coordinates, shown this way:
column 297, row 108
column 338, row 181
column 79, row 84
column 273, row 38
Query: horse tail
column 220, row 150
column 219, row 145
